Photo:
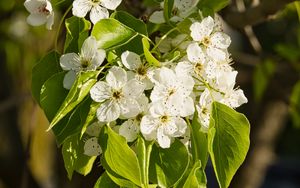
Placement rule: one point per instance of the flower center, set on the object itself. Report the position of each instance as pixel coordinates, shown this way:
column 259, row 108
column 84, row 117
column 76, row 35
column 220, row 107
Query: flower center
column 141, row 71
column 85, row 63
column 175, row 11
column 117, row 95
column 171, row 91
column 164, row 119
column 206, row 41
column 95, row 1
column 204, row 110
column 139, row 117
column 198, row 68
column 43, row 10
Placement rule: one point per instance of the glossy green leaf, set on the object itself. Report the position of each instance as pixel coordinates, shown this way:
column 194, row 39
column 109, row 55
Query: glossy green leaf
column 148, row 55
column 167, row 166
column 228, row 141
column 77, row 31
column 295, row 105
column 168, row 8
column 79, row 90
column 196, row 177
column 41, row 72
column 51, row 101
column 90, row 116
column 199, row 143
column 74, row 158
column 112, row 33
column 209, row 7
column 121, row 158
column 104, row 181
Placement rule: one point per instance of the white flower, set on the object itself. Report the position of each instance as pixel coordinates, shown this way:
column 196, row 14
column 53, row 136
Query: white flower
column 90, row 58
column 204, row 109
column 40, row 13
column 216, row 43
column 98, row 8
column 131, row 128
column 173, row 91
column 140, row 71
column 91, row 147
column 117, row 95
column 181, row 9
column 162, row 125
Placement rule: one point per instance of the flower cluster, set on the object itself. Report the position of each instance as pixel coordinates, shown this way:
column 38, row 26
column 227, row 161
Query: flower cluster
column 157, row 102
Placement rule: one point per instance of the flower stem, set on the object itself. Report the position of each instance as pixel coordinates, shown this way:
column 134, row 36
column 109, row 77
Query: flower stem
column 59, row 27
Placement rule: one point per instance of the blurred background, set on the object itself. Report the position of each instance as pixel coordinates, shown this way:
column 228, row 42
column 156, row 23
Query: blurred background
column 266, row 54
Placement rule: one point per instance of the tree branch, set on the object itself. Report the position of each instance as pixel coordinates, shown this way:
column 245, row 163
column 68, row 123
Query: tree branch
column 255, row 14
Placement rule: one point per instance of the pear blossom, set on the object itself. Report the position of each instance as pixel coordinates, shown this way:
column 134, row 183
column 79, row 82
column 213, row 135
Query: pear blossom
column 162, row 125
column 181, row 9
column 131, row 128
column 91, row 146
column 215, row 42
column 117, row 95
column 138, row 70
column 98, row 8
column 89, row 59
column 173, row 91
column 40, row 13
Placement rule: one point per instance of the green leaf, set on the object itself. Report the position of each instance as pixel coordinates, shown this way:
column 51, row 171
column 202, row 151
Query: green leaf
column 168, row 8
column 41, row 72
column 196, row 177
column 199, row 143
column 262, row 74
column 74, row 158
column 228, row 141
column 209, row 7
column 77, row 31
column 112, row 33
column 184, row 26
column 51, row 101
column 120, row 158
column 149, row 57
column 75, row 122
column 80, row 89
column 295, row 105
column 105, row 182
column 90, row 116
column 167, row 166
column 288, row 51
column 130, row 21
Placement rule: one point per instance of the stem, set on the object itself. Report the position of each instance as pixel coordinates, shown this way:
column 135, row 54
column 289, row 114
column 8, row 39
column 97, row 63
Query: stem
column 59, row 27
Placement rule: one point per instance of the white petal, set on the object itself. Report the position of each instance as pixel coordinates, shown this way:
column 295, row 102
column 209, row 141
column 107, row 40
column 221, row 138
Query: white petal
column 70, row 61
column 116, row 77
column 98, row 59
column 94, row 129
column 226, row 80
column 203, row 29
column 170, row 128
column 92, row 147
column 89, row 48
column 81, row 7
column 181, row 126
column 163, row 140
column 133, row 88
column 98, row 13
column 129, row 108
column 143, row 102
column 148, row 125
column 195, row 53
column 216, row 54
column 158, row 93
column 220, row 40
column 69, row 79
column 131, row 60
column 187, row 107
column 110, row 4
column 241, row 98
column 33, row 5
column 100, row 91
column 167, row 77
column 129, row 129
column 36, row 19
column 108, row 111
column 50, row 21
column 186, row 83
column 184, row 68
column 157, row 17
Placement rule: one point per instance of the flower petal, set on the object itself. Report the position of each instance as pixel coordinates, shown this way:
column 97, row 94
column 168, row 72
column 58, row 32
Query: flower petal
column 98, row 13
column 195, row 53
column 92, row 147
column 33, row 5
column 187, row 107
column 108, row 111
column 70, row 61
column 36, row 19
column 157, row 17
column 129, row 129
column 69, row 79
column 100, row 91
column 129, row 108
column 89, row 48
column 216, row 54
column 220, row 40
column 50, row 21
column 184, row 68
column 181, row 126
column 110, row 4
column 98, row 59
column 94, row 129
column 163, row 140
column 133, row 88
column 148, row 125
column 116, row 77
column 202, row 29
column 81, row 7
column 131, row 60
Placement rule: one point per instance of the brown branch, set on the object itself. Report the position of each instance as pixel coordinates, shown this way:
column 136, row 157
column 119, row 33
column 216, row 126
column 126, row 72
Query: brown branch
column 256, row 14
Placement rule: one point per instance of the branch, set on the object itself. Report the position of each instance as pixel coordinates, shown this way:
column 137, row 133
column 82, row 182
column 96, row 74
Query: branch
column 256, row 14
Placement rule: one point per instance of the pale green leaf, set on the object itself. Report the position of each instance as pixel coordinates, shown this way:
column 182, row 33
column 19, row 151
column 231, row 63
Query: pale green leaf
column 148, row 55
